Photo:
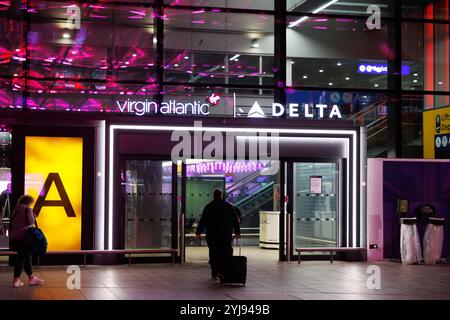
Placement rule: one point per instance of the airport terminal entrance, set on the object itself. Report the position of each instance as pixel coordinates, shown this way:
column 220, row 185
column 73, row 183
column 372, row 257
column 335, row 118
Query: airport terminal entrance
column 308, row 196
column 156, row 192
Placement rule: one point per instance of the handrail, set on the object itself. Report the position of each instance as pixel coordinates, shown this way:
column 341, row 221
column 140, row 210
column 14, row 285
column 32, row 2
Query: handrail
column 362, row 112
column 252, row 196
column 375, row 122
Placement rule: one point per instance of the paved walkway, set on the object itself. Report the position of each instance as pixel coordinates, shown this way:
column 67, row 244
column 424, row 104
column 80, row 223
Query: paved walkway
column 274, row 280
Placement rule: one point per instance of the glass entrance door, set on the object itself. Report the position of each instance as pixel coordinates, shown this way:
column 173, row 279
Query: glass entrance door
column 303, row 196
column 315, row 204
column 148, row 189
column 315, row 196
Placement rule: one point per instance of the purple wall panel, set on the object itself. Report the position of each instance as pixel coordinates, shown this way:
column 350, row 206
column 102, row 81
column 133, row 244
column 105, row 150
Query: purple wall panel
column 419, row 182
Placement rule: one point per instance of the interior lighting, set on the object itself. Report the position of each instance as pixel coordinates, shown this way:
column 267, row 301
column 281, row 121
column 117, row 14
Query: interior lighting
column 254, row 43
column 235, row 57
column 302, row 19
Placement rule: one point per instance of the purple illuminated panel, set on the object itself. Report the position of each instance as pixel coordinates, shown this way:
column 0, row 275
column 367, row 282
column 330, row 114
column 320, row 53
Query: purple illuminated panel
column 222, row 167
column 380, row 69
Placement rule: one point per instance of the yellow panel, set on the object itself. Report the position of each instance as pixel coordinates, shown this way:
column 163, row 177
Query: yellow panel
column 64, row 156
column 430, row 131
column 429, row 128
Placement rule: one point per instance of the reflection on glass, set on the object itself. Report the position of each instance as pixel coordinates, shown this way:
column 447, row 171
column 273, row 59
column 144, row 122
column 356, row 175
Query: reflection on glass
column 88, row 65
column 425, row 9
column 241, row 4
column 12, row 50
column 315, row 214
column 147, row 185
column 428, row 57
column 351, row 7
column 5, row 185
column 218, row 48
column 337, row 53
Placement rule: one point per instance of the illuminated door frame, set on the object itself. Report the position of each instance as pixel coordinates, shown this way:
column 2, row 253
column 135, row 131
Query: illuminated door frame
column 353, row 172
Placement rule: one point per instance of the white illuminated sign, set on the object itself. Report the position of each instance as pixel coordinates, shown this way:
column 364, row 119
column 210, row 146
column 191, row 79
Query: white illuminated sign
column 308, row 110
column 172, row 107
column 279, row 110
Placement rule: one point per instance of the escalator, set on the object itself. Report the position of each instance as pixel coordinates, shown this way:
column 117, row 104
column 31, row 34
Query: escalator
column 374, row 118
column 251, row 194
column 256, row 199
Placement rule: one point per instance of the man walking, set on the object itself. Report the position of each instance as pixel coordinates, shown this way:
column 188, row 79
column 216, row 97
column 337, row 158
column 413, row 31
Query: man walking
column 219, row 219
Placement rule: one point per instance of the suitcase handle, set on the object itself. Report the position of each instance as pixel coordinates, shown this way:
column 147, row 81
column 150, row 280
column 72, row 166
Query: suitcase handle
column 239, row 241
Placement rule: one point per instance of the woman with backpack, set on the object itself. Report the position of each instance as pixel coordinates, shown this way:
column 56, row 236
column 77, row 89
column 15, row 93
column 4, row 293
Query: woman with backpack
column 22, row 219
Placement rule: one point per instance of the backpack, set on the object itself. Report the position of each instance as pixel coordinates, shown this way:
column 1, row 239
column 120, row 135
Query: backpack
column 35, row 241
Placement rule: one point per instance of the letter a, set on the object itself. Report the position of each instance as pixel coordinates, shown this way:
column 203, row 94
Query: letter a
column 374, row 21
column 64, row 202
column 74, row 17
column 74, row 278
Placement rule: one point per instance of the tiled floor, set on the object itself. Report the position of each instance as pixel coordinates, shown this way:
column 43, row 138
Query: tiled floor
column 253, row 253
column 266, row 280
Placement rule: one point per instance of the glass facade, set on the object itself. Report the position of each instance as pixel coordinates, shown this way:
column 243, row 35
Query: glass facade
column 5, row 176
column 95, row 56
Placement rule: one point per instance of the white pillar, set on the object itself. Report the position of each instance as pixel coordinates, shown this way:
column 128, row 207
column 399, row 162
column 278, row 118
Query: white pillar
column 99, row 205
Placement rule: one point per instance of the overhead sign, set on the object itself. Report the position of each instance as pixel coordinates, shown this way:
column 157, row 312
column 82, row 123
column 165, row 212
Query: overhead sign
column 380, row 69
column 172, row 107
column 197, row 108
column 295, row 110
column 53, row 177
column 436, row 133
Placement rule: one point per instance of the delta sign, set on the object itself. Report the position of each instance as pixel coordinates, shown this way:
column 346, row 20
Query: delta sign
column 198, row 108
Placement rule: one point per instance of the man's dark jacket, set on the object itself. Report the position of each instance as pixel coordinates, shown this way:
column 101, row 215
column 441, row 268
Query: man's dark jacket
column 219, row 219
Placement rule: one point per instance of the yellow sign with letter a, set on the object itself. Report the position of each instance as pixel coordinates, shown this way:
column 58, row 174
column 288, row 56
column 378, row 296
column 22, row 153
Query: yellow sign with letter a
column 436, row 133
column 53, row 177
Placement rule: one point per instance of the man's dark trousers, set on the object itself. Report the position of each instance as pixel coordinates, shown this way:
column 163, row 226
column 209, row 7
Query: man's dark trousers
column 219, row 250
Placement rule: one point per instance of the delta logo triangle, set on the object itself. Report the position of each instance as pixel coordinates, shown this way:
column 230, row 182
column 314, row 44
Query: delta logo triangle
column 256, row 111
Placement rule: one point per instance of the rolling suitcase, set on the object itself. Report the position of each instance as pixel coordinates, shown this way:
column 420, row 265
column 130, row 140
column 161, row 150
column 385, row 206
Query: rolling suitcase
column 234, row 269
